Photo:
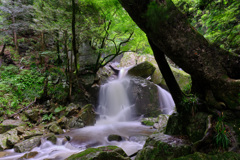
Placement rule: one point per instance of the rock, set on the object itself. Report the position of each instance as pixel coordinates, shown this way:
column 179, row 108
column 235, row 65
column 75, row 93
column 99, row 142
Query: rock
column 28, row 155
column 162, row 147
column 8, row 139
column 101, row 153
column 144, row 69
column 31, row 133
column 175, row 125
column 73, row 109
column 52, row 138
column 159, row 123
column 114, row 137
column 87, row 79
column 32, row 114
column 10, row 124
column 27, row 145
column 197, row 126
column 54, row 127
column 63, row 122
column 142, row 91
column 130, row 59
column 104, row 73
column 88, row 115
column 75, row 122
column 3, row 154
column 219, row 156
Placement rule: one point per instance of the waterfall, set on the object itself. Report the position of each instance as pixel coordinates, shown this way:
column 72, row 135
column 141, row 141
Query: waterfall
column 113, row 99
column 166, row 101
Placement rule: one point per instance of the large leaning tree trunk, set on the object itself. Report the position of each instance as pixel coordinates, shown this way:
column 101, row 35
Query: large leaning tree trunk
column 215, row 72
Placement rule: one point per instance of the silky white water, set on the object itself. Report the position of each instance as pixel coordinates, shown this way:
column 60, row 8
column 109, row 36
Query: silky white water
column 115, row 118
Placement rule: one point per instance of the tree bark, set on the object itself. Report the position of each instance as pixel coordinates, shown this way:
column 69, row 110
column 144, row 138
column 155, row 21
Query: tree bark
column 74, row 35
column 168, row 75
column 215, row 72
column 14, row 31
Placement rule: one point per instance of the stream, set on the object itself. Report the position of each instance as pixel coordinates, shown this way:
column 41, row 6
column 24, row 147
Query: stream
column 116, row 118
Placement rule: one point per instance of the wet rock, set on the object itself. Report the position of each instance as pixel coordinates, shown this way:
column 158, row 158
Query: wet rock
column 63, row 122
column 219, row 156
column 158, row 123
column 144, row 69
column 28, row 155
column 114, row 137
column 3, row 154
column 55, row 128
column 144, row 94
column 88, row 115
column 162, row 147
column 32, row 115
column 27, row 145
column 52, row 138
column 149, row 121
column 104, row 73
column 10, row 124
column 101, row 153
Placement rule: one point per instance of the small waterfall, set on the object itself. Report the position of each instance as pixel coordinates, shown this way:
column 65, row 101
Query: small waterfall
column 113, row 100
column 166, row 101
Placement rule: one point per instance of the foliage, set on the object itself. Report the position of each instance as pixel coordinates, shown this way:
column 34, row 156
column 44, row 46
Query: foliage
column 59, row 109
column 189, row 102
column 47, row 117
column 18, row 87
column 221, row 138
column 217, row 20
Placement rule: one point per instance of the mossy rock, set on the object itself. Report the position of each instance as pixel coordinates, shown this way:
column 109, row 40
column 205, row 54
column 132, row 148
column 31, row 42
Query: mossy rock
column 88, row 115
column 202, row 156
column 10, row 124
column 144, row 69
column 28, row 144
column 114, row 137
column 163, row 147
column 149, row 121
column 101, row 153
column 8, row 139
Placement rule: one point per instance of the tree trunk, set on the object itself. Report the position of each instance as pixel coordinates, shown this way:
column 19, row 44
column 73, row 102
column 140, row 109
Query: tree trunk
column 74, row 35
column 215, row 72
column 167, row 74
column 3, row 49
column 14, row 31
column 42, row 42
column 59, row 61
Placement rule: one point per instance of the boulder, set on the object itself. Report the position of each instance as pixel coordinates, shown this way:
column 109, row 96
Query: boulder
column 10, row 124
column 88, row 115
column 114, row 137
column 219, row 156
column 8, row 139
column 75, row 122
column 72, row 109
column 55, row 128
column 130, row 59
column 101, row 153
column 31, row 133
column 28, row 144
column 29, row 155
column 144, row 94
column 144, row 69
column 162, row 147
column 159, row 123
column 32, row 114
column 52, row 138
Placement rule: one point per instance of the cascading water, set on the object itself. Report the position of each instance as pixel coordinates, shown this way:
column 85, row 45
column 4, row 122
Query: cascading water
column 115, row 118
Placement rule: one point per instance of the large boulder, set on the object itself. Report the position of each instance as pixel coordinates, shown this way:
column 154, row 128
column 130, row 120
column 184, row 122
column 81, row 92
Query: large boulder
column 162, row 147
column 8, row 139
column 144, row 69
column 10, row 124
column 144, row 94
column 131, row 59
column 28, row 144
column 101, row 153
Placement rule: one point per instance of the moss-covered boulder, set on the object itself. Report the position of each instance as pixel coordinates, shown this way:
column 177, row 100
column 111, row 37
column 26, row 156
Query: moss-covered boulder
column 202, row 156
column 55, row 128
column 130, row 59
column 144, row 94
column 101, row 153
column 28, row 144
column 32, row 114
column 10, row 124
column 114, row 137
column 158, row 123
column 144, row 69
column 163, row 147
column 72, row 109
column 8, row 139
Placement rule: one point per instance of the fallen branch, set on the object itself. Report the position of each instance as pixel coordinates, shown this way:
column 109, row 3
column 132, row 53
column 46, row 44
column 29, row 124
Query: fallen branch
column 24, row 108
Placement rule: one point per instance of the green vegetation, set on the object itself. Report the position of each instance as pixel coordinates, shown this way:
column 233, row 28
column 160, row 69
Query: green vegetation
column 221, row 138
